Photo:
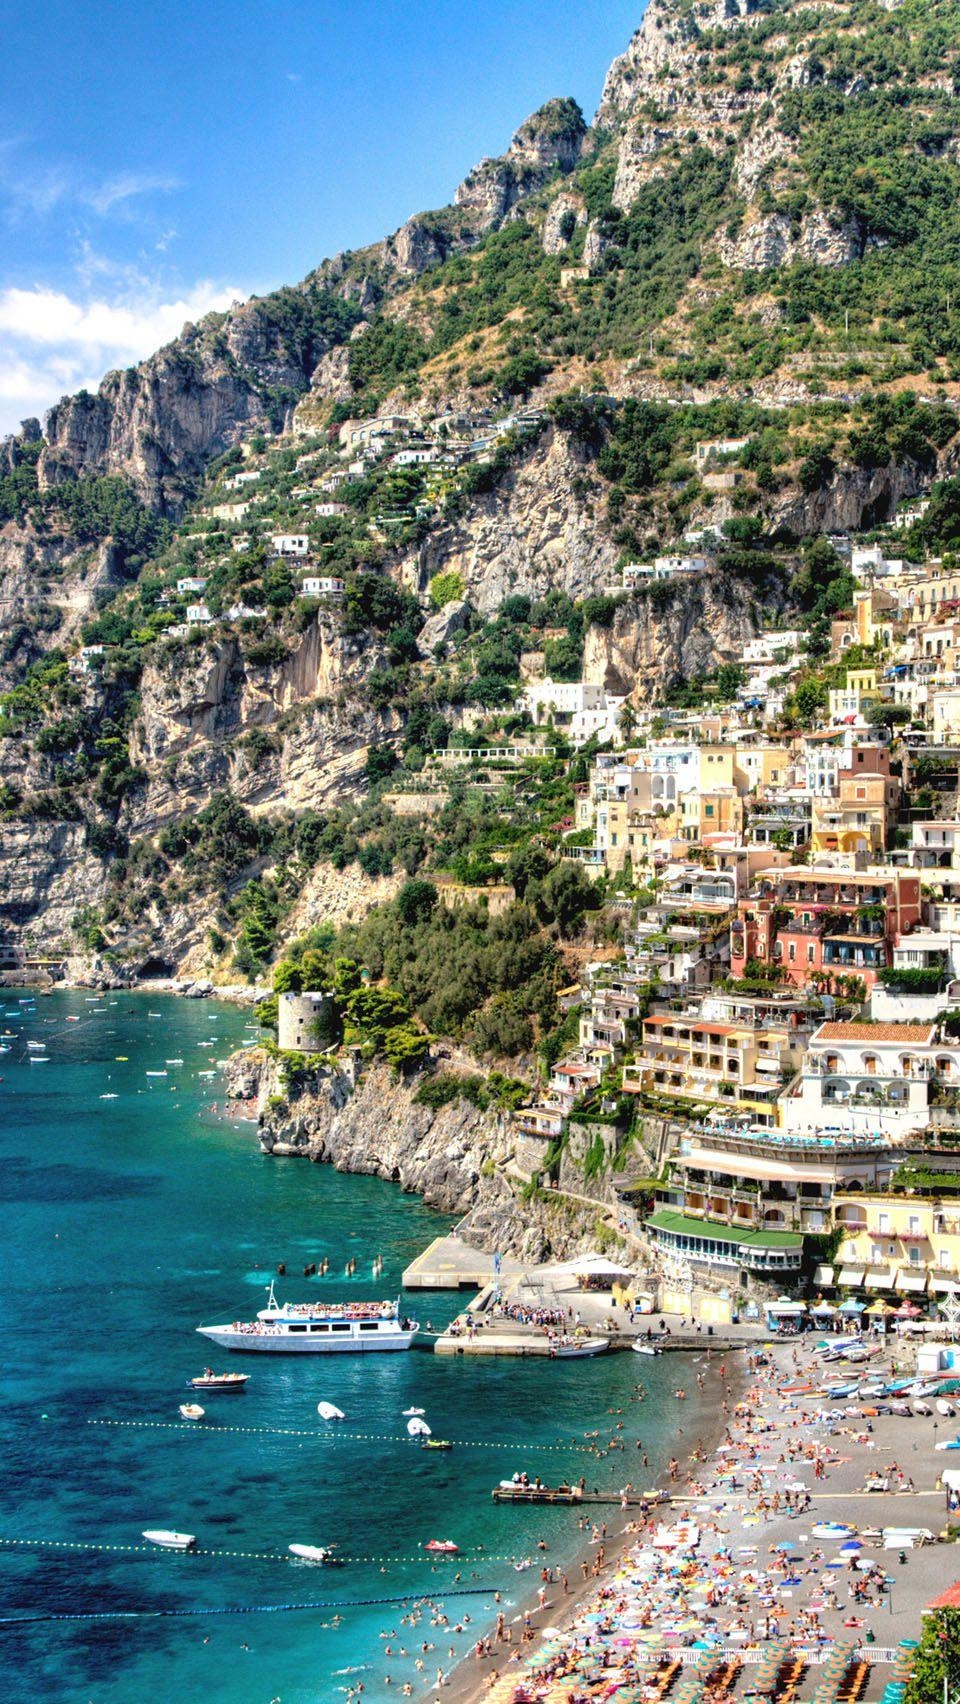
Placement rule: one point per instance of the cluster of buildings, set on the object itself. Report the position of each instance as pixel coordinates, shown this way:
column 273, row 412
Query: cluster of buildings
column 784, row 1015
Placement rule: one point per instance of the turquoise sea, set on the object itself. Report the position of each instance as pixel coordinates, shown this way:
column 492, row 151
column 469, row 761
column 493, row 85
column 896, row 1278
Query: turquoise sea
column 126, row 1223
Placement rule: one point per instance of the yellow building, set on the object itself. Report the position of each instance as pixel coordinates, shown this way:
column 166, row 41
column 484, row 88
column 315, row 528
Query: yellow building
column 730, row 1065
column 759, row 766
column 714, row 810
column 902, row 1243
column 859, row 819
column 854, row 699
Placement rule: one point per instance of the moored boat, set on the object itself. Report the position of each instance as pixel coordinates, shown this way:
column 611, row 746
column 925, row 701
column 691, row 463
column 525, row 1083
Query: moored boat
column 442, row 1547
column 219, row 1382
column 317, row 1328
column 320, row 1553
column 330, row 1411
column 168, row 1540
column 574, row 1348
column 191, row 1411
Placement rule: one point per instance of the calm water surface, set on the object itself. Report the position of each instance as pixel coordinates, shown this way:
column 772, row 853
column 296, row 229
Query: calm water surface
column 126, row 1223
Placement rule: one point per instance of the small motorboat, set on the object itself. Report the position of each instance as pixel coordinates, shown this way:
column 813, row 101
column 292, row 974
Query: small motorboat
column 919, row 1407
column 211, row 1381
column 436, row 1444
column 329, row 1411
column 442, row 1547
column 417, row 1428
column 408, row 1413
column 942, row 1406
column 170, row 1540
column 191, row 1411
column 574, row 1348
column 647, row 1349
column 317, row 1553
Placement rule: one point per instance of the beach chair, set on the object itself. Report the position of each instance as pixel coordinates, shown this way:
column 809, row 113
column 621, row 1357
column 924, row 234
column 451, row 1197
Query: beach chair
column 854, row 1682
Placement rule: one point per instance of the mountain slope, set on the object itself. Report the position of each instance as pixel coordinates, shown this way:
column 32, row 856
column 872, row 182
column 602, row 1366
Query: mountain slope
column 758, row 240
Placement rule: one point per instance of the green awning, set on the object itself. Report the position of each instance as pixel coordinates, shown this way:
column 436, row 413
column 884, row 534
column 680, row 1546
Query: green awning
column 683, row 1226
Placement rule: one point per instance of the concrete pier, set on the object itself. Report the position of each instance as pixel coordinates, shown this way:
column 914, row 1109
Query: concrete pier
column 448, row 1263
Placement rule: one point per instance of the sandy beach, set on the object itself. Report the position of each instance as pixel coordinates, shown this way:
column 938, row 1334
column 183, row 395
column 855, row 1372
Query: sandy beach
column 769, row 1552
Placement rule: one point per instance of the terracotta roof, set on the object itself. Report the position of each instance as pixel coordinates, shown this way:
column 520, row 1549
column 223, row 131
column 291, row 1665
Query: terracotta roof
column 696, row 1024
column 950, row 1599
column 876, row 1032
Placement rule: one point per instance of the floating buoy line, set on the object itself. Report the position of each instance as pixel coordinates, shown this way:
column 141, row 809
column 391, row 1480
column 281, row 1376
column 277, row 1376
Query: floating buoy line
column 433, row 1557
column 227, row 1609
column 331, row 1437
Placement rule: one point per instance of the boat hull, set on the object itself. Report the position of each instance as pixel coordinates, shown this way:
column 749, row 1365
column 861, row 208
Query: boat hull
column 254, row 1343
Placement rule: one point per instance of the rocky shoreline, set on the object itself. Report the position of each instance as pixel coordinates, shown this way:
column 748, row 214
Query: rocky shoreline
column 458, row 1157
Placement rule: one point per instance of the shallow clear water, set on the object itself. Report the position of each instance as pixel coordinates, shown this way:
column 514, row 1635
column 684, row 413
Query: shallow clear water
column 128, row 1222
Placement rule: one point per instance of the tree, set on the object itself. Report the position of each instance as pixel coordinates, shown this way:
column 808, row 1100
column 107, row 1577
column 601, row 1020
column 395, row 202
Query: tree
column 415, row 902
column 627, row 720
column 381, row 761
column 287, row 977
column 405, row 1047
column 565, row 894
column 937, row 1648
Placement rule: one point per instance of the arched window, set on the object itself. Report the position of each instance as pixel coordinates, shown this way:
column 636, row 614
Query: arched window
column 870, row 1064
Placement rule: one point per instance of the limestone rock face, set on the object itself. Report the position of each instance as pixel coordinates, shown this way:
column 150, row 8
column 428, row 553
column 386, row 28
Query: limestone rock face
column 564, row 211
column 704, row 624
column 158, row 424
column 535, row 531
column 414, row 248
column 551, row 139
column 769, row 240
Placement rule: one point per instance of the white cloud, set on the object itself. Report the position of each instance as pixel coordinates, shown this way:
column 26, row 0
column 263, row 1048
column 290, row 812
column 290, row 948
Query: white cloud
column 114, row 191
column 51, row 343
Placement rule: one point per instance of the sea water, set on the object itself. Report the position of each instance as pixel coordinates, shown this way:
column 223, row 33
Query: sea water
column 129, row 1221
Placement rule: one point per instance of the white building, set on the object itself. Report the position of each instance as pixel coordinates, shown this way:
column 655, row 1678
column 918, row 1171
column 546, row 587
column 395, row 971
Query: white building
column 328, row 511
column 88, row 657
column 322, row 586
column 230, row 511
column 870, row 563
column 198, row 615
column 290, row 544
column 192, row 583
column 869, row 1079
column 417, row 456
column 239, row 480
column 581, row 709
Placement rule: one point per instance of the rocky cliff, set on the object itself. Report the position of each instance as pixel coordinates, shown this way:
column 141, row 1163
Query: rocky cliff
column 461, row 1160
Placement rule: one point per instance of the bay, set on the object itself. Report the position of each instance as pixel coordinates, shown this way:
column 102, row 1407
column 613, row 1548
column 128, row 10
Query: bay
column 126, row 1223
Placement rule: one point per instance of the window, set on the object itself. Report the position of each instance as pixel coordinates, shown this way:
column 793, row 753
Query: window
column 914, row 1257
column 884, row 1222
column 810, row 953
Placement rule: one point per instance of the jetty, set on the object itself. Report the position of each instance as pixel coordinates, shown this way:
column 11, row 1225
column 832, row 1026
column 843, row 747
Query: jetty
column 572, row 1494
column 449, row 1263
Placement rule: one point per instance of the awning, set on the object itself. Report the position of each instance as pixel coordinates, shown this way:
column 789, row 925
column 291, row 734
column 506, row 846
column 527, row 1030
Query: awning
column 823, row 1275
column 945, row 1286
column 907, row 1280
column 852, row 1276
column 882, row 1280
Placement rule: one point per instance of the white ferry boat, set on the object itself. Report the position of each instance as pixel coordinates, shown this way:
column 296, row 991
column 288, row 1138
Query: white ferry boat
column 317, row 1328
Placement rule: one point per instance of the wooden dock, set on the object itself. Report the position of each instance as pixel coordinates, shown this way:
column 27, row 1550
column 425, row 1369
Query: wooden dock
column 570, row 1494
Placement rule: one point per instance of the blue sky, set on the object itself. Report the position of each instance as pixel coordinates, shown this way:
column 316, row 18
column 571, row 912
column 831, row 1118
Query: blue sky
column 158, row 160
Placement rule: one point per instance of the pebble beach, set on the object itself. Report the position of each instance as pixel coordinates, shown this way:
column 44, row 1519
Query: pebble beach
column 765, row 1572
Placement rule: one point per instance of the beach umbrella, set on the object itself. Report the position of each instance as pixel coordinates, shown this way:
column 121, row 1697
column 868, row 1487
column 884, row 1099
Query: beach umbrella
column 851, row 1307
